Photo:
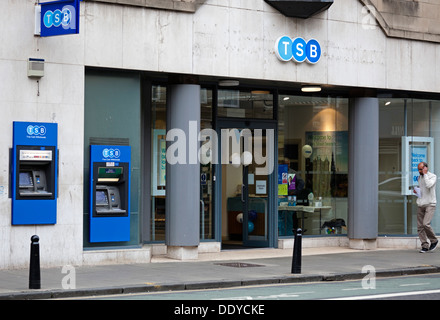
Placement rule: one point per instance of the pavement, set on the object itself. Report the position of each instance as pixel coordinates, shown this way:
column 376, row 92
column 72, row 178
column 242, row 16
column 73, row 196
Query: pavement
column 228, row 268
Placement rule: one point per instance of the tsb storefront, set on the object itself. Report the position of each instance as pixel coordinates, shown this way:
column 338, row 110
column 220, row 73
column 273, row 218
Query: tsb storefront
column 267, row 124
column 241, row 121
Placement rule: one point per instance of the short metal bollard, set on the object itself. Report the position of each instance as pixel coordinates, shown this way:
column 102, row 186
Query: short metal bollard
column 34, row 269
column 297, row 247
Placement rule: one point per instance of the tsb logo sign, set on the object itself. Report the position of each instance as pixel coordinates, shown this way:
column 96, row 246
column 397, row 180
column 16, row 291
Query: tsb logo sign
column 36, row 130
column 298, row 49
column 58, row 17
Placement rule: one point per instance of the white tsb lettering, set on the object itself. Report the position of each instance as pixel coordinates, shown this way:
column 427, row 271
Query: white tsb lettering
column 313, row 51
column 299, row 49
column 285, row 47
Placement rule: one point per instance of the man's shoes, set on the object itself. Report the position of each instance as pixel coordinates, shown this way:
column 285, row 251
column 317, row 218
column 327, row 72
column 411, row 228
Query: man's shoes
column 433, row 246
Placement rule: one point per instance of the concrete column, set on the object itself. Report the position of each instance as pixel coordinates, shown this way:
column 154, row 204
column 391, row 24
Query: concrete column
column 183, row 178
column 363, row 172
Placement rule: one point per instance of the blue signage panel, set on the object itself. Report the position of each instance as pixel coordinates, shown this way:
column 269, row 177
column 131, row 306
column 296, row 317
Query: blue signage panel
column 298, row 49
column 418, row 154
column 109, row 193
column 59, row 18
column 34, row 173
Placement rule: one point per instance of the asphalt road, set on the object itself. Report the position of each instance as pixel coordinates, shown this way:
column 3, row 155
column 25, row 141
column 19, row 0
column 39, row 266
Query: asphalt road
column 369, row 288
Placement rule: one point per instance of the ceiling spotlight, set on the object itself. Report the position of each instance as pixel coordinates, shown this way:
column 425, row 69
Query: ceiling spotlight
column 387, row 103
column 311, row 89
column 228, row 83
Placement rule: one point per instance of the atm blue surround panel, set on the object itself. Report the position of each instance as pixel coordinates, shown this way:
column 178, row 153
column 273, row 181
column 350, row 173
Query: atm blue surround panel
column 35, row 156
column 112, row 224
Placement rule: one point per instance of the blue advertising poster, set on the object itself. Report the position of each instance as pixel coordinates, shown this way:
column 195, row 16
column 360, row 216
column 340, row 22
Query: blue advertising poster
column 282, row 179
column 282, row 173
column 59, row 18
column 418, row 154
column 328, row 145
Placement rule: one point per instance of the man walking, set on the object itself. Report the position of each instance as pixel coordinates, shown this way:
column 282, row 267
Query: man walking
column 426, row 207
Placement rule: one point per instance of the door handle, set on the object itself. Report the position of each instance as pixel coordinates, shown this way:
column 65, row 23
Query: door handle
column 203, row 206
column 242, row 192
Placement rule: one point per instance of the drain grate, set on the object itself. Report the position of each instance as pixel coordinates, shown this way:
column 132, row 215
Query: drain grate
column 239, row 265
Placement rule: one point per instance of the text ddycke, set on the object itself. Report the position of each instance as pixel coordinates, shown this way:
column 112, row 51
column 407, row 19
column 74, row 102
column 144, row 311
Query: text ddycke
column 256, row 309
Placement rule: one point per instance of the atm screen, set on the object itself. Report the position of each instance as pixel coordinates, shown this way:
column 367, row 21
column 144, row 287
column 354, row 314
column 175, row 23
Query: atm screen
column 25, row 179
column 101, row 198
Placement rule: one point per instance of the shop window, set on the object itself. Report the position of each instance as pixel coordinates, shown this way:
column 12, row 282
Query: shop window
column 158, row 162
column 408, row 134
column 312, row 165
column 206, row 172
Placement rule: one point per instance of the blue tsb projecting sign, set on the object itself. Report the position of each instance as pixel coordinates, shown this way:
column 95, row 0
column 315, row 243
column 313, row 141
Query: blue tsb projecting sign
column 59, row 18
column 298, row 49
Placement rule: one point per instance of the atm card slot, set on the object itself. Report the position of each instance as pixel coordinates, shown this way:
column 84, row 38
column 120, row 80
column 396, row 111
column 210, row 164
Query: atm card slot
column 100, row 211
column 25, row 193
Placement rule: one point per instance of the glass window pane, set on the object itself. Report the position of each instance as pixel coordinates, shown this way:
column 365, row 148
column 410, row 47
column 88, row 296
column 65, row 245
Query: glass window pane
column 111, row 116
column 391, row 202
column 255, row 104
column 313, row 164
column 408, row 134
column 434, row 128
column 206, row 172
column 158, row 162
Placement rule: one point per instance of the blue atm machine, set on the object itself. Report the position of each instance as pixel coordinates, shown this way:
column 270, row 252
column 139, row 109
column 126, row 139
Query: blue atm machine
column 109, row 193
column 34, row 172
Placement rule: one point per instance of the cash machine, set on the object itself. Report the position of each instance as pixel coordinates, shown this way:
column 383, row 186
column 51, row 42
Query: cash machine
column 109, row 193
column 34, row 173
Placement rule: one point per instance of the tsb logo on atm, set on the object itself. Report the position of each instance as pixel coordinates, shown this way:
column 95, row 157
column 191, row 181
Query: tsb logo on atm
column 36, row 130
column 298, row 49
column 111, row 153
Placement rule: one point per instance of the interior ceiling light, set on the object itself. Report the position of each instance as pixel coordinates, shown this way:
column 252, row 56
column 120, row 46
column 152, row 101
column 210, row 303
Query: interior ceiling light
column 228, row 83
column 310, row 88
column 387, row 103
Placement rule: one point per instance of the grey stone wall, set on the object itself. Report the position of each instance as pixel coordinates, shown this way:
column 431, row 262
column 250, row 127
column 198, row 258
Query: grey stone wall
column 409, row 19
column 175, row 5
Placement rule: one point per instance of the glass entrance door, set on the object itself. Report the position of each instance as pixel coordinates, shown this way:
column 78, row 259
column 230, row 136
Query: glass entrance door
column 246, row 174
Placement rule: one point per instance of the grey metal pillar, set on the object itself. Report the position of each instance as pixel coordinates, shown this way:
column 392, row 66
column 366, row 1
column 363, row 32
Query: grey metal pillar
column 183, row 178
column 363, row 169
